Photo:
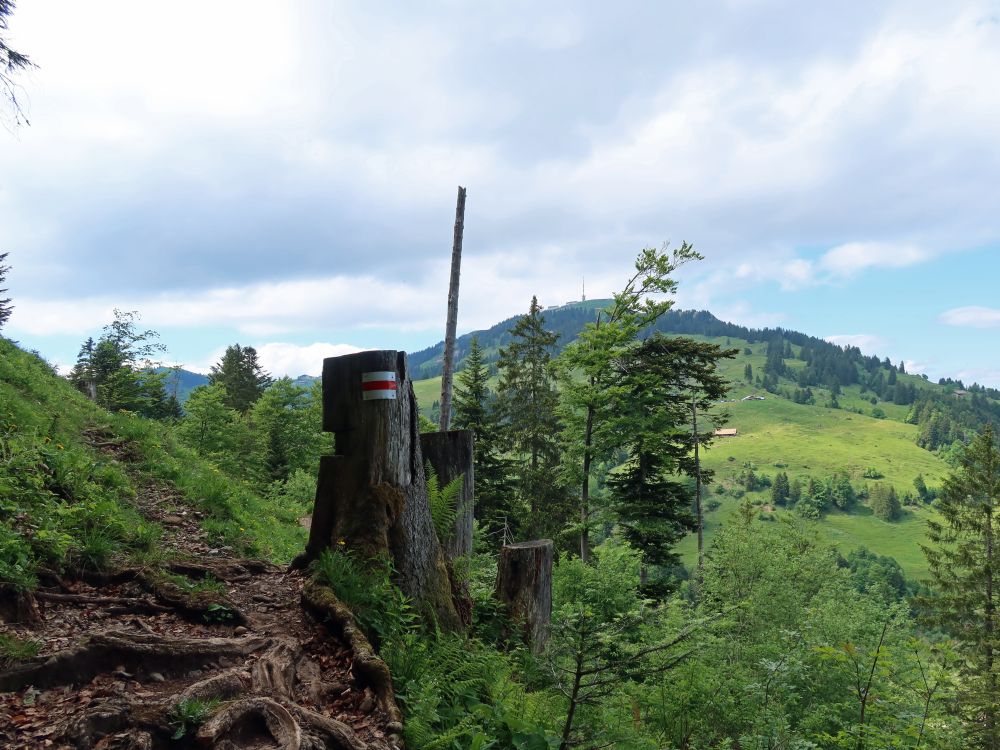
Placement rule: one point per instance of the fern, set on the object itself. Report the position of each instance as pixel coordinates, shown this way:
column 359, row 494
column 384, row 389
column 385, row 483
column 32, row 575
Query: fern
column 444, row 503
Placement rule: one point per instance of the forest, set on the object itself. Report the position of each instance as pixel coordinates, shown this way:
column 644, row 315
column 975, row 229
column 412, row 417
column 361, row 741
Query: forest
column 119, row 503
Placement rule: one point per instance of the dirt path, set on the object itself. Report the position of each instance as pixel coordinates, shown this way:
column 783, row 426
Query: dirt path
column 206, row 650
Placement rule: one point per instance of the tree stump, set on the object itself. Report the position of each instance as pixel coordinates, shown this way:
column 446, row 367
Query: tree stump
column 524, row 585
column 371, row 495
column 450, row 455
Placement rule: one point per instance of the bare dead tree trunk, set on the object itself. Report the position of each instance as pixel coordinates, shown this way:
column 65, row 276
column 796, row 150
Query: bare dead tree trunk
column 697, row 488
column 449, row 336
column 451, row 455
column 524, row 585
column 371, row 495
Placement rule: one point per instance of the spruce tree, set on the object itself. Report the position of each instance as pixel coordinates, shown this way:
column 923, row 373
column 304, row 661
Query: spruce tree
column 527, row 400
column 965, row 568
column 82, row 376
column 884, row 502
column 780, row 489
column 748, row 373
column 475, row 410
column 657, row 382
column 242, row 377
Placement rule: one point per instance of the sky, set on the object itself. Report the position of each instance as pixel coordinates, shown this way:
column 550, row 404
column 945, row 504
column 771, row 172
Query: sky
column 283, row 175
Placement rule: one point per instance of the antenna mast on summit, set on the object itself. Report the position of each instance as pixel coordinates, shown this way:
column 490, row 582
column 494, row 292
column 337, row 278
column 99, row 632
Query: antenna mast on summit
column 584, row 290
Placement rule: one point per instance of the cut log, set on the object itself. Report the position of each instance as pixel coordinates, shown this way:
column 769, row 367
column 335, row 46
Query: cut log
column 524, row 585
column 372, row 494
column 450, row 455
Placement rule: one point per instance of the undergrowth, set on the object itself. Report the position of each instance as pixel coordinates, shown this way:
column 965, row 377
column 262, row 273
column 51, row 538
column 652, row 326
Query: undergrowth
column 189, row 714
column 66, row 504
column 14, row 649
column 455, row 691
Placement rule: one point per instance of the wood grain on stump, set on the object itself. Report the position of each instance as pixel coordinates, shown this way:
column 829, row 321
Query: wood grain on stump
column 372, row 494
column 524, row 585
column 450, row 454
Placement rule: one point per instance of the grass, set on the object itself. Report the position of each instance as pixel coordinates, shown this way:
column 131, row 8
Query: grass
column 811, row 440
column 65, row 503
column 14, row 649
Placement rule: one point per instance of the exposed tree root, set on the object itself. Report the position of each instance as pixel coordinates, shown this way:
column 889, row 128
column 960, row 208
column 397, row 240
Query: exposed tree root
column 368, row 667
column 133, row 650
column 239, row 724
column 120, row 603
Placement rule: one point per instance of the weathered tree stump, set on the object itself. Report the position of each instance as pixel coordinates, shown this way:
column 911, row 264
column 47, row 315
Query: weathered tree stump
column 371, row 495
column 450, row 455
column 524, row 585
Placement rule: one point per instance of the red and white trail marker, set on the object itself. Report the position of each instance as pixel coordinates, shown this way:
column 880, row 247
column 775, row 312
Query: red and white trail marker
column 378, row 385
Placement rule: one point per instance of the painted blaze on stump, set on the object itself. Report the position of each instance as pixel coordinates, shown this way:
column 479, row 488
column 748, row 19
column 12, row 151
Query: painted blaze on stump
column 371, row 496
column 524, row 585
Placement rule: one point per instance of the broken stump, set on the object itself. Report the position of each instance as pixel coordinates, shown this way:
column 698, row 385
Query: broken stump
column 524, row 586
column 450, row 454
column 371, row 495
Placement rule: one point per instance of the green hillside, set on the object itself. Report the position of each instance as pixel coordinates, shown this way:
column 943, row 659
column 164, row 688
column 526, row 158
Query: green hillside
column 72, row 471
column 810, row 440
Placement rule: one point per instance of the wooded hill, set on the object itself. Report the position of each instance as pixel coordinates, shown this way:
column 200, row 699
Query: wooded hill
column 810, row 410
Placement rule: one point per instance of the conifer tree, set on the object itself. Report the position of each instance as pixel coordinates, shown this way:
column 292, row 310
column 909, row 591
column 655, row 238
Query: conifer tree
column 885, row 503
column 748, row 373
column 475, row 410
column 82, row 376
column 965, row 568
column 780, row 489
column 242, row 377
column 651, row 416
column 527, row 401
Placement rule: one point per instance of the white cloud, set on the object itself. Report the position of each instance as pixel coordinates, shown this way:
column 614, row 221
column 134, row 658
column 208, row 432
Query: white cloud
column 293, row 360
column 973, row 317
column 915, row 368
column 493, row 287
column 849, row 259
column 868, row 343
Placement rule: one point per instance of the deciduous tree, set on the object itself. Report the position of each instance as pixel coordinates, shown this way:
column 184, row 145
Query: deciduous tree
column 586, row 374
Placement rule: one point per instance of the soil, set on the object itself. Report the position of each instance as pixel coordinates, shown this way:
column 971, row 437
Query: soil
column 206, row 650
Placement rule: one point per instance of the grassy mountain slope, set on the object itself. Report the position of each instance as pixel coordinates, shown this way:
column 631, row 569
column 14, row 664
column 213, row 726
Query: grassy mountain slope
column 804, row 440
column 71, row 472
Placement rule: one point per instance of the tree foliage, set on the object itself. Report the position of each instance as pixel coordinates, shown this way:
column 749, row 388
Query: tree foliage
column 587, row 378
column 656, row 384
column 12, row 62
column 527, row 399
column 476, row 409
column 964, row 565
column 119, row 371
column 241, row 376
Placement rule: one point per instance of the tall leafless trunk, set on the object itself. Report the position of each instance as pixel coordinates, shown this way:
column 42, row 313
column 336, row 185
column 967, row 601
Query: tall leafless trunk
column 697, row 487
column 447, row 371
